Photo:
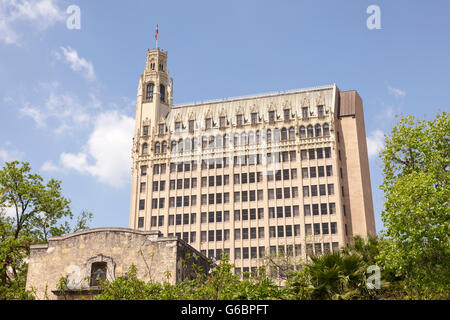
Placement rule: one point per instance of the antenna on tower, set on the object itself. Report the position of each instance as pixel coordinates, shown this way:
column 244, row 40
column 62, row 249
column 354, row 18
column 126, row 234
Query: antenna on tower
column 156, row 36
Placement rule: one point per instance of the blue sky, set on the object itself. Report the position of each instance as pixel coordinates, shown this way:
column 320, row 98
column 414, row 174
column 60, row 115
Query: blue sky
column 67, row 97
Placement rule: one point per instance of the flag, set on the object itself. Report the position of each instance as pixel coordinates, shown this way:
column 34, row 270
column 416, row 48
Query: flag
column 156, row 33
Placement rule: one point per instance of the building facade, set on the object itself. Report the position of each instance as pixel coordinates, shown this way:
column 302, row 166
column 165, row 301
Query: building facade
column 283, row 173
column 86, row 258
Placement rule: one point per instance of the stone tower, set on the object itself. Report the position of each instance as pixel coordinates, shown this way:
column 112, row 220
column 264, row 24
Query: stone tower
column 154, row 99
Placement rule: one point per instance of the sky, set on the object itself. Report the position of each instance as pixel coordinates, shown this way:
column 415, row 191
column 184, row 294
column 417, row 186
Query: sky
column 68, row 82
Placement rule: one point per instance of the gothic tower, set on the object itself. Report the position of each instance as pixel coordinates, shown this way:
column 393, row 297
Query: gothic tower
column 154, row 99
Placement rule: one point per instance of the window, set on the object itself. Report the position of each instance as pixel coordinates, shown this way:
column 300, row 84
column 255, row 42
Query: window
column 329, row 171
column 302, row 132
column 307, row 209
column 325, row 228
column 308, row 230
column 318, row 130
column 239, row 120
column 141, row 204
column 284, row 134
column 141, row 222
column 98, row 273
column 321, row 171
column 333, row 226
column 191, row 125
column 221, row 122
column 316, row 228
column 327, row 152
column 330, row 189
column 326, row 129
column 208, row 123
column 162, row 93
column 306, row 191
column 322, row 191
column 332, row 208
column 149, row 93
column 304, row 154
column 315, row 209
column 312, row 172
column 271, row 116
column 145, row 148
column 142, row 187
column 320, row 111
column 287, row 114
column 313, row 191
column 254, row 118
column 310, row 131
column 319, row 153
column 280, row 231
column 305, row 112
column 304, row 173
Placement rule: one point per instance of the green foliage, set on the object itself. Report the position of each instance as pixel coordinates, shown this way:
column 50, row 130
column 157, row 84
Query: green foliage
column 219, row 284
column 39, row 211
column 417, row 213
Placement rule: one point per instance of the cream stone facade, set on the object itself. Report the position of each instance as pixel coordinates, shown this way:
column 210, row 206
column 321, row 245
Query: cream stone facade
column 276, row 173
column 87, row 256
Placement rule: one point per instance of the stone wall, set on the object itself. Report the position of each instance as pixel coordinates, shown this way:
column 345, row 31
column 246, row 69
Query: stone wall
column 72, row 256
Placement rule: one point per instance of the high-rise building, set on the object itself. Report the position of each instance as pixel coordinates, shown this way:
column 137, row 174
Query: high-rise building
column 276, row 173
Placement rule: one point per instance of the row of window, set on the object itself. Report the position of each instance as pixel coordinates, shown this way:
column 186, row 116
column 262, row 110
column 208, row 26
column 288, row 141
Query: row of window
column 255, row 159
column 243, row 178
column 242, row 139
column 223, row 121
column 244, row 214
column 258, row 233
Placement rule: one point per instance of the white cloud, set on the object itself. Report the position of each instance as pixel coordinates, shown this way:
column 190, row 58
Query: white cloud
column 375, row 143
column 106, row 155
column 396, row 92
column 60, row 107
column 77, row 63
column 39, row 14
column 50, row 167
column 10, row 154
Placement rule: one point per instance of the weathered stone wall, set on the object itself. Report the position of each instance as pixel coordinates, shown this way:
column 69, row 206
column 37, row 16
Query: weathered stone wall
column 72, row 255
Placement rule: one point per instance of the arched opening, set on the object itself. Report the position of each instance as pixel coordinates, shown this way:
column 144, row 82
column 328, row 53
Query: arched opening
column 268, row 136
column 251, row 138
column 219, row 141
column 187, row 144
column 164, row 147
column 157, row 147
column 302, row 132
column 243, row 139
column 283, row 134
column 291, row 133
column 98, row 273
column 173, row 146
column 149, row 92
column 145, row 148
column 326, row 129
column 318, row 130
column 310, row 131
column 162, row 92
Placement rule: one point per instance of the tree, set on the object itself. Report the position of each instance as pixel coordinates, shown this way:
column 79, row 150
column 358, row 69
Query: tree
column 38, row 211
column 416, row 214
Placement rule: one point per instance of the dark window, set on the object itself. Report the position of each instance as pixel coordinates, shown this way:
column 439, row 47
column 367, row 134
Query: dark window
column 162, row 93
column 98, row 273
column 149, row 93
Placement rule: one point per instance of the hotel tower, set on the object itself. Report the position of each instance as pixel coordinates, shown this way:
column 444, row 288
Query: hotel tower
column 280, row 173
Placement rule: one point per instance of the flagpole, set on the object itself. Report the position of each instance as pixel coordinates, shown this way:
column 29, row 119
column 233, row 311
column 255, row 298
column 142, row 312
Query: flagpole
column 156, row 36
